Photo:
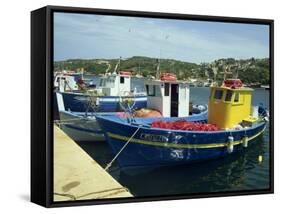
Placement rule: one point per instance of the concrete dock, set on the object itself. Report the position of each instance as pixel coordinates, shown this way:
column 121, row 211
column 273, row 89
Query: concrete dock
column 77, row 176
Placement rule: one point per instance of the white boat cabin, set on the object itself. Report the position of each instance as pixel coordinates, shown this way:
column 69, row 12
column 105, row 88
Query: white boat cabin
column 115, row 84
column 171, row 98
column 64, row 82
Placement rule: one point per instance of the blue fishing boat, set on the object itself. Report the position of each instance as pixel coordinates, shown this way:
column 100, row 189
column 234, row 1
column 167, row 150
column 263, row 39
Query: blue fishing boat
column 138, row 142
column 112, row 89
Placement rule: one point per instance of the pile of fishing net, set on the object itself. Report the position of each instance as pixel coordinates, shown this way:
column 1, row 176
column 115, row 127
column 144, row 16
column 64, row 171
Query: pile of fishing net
column 184, row 125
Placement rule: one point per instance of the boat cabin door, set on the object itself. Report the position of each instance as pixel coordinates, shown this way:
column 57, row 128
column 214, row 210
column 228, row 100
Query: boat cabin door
column 174, row 100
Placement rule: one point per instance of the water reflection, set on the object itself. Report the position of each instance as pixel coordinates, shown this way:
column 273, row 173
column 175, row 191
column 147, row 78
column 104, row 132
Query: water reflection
column 211, row 176
column 226, row 174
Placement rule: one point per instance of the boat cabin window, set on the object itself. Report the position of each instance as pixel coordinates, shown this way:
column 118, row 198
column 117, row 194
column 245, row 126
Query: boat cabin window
column 236, row 98
column 102, row 82
column 122, row 80
column 110, row 82
column 153, row 90
column 166, row 89
column 62, row 79
column 157, row 90
column 107, row 82
column 218, row 94
column 228, row 96
column 150, row 90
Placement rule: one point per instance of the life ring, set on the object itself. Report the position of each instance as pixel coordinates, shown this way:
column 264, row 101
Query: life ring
column 126, row 73
column 168, row 77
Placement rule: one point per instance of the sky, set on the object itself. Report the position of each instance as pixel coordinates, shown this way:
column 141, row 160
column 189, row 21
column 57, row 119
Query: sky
column 88, row 36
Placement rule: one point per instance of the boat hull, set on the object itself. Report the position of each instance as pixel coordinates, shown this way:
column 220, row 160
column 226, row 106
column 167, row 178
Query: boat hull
column 80, row 128
column 78, row 102
column 156, row 147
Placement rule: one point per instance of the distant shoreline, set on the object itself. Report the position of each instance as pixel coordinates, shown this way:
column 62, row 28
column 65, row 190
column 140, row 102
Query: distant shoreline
column 250, row 71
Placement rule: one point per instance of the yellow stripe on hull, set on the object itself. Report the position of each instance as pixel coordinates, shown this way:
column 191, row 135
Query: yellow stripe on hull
column 181, row 146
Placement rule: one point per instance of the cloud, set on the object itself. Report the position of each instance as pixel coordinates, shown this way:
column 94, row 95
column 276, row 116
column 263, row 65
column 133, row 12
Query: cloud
column 99, row 36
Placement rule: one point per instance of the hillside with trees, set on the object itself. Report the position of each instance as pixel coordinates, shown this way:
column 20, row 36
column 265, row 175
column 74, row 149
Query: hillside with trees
column 248, row 70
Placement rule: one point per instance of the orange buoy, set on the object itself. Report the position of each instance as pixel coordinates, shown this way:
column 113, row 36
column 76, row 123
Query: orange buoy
column 147, row 113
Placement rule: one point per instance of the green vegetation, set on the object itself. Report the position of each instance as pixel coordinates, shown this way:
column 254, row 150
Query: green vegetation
column 248, row 70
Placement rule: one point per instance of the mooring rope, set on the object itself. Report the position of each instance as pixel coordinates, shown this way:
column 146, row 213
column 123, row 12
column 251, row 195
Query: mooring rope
column 67, row 120
column 116, row 156
column 71, row 121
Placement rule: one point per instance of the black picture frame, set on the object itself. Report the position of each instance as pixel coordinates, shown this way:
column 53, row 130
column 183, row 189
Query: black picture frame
column 41, row 103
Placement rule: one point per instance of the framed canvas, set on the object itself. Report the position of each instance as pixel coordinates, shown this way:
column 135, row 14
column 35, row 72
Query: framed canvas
column 131, row 106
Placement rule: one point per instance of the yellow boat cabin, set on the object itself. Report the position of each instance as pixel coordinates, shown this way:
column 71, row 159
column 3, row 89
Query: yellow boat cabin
column 229, row 104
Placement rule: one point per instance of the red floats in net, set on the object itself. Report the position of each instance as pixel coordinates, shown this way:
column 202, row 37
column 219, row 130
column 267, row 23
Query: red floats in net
column 184, row 125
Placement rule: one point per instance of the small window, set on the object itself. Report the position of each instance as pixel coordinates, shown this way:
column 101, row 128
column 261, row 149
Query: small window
column 157, row 90
column 102, row 82
column 218, row 94
column 228, row 96
column 150, row 90
column 236, row 98
column 122, row 80
column 167, row 89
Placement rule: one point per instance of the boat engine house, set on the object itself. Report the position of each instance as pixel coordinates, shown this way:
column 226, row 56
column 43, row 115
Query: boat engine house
column 67, row 82
column 115, row 85
column 171, row 98
column 229, row 104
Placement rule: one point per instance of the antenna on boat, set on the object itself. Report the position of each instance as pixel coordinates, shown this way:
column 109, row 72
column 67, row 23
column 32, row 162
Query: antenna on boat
column 158, row 72
column 119, row 63
column 238, row 67
column 214, row 69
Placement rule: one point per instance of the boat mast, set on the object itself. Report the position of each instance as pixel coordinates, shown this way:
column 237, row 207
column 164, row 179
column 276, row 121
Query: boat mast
column 226, row 71
column 117, row 65
column 108, row 68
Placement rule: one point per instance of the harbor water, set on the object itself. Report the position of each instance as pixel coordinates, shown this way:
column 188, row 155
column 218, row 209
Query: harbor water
column 248, row 170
